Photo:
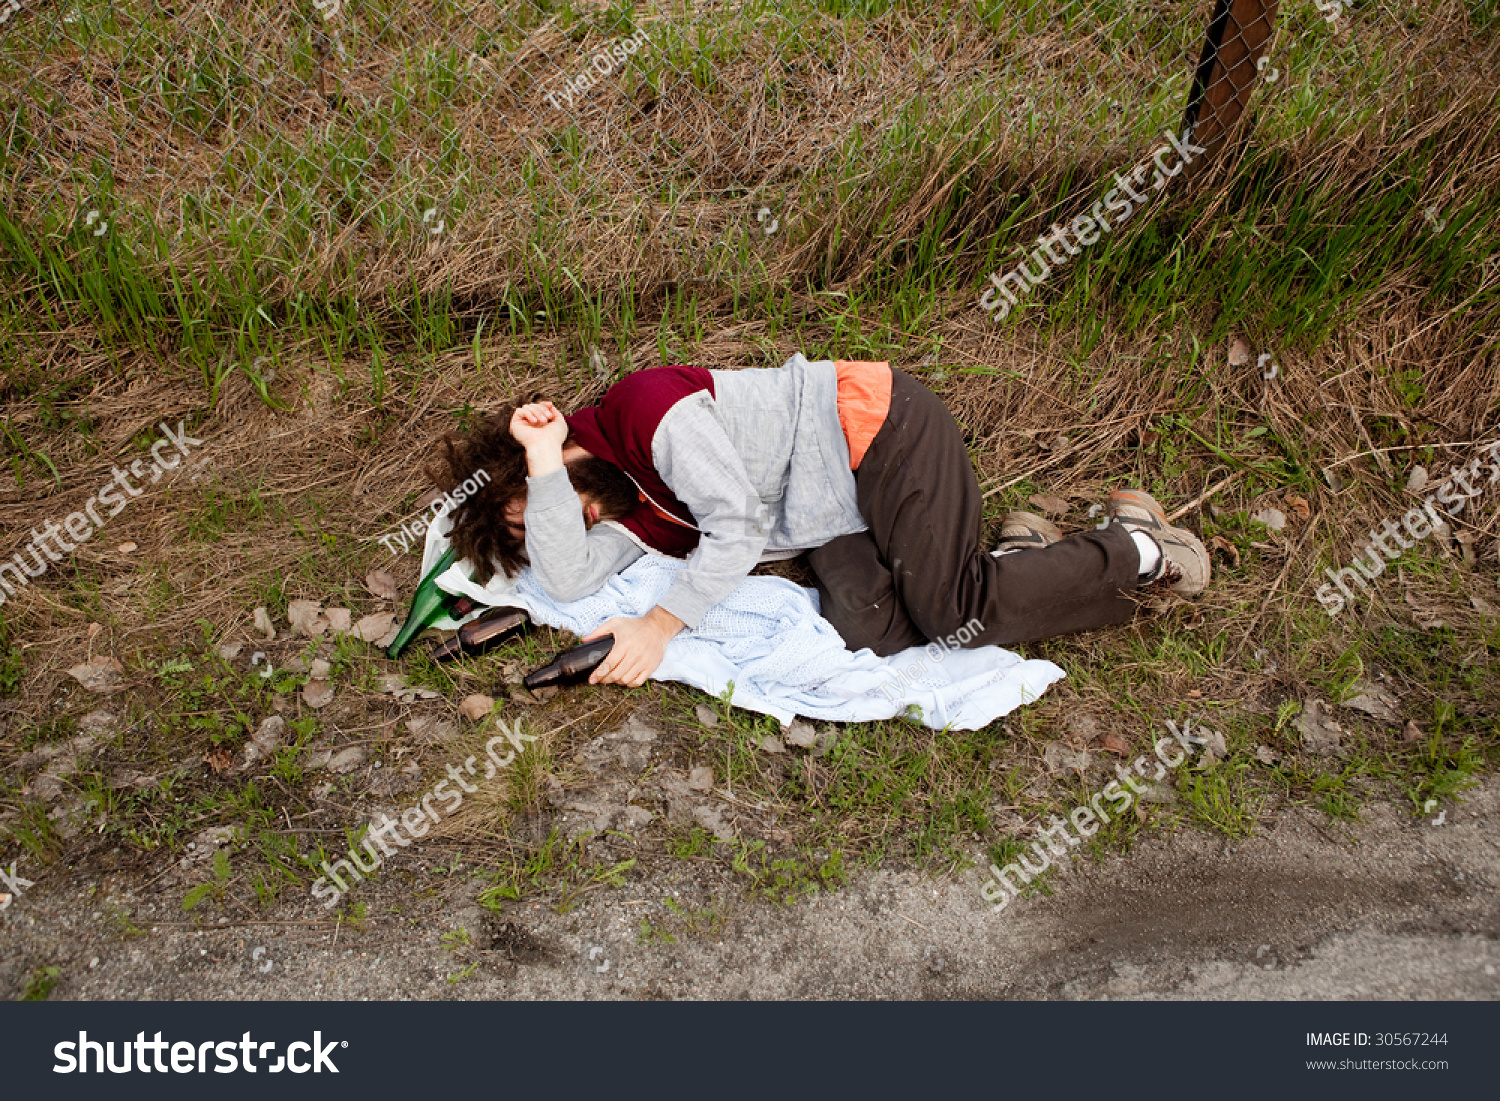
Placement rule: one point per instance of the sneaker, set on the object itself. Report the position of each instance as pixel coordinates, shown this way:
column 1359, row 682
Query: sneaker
column 1024, row 531
column 1185, row 564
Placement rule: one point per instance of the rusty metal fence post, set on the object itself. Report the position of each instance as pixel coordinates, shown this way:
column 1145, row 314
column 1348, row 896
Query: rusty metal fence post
column 1238, row 34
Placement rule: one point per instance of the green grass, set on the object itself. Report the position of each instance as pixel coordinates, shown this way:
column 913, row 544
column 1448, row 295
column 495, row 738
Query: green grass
column 39, row 986
column 12, row 664
column 1291, row 252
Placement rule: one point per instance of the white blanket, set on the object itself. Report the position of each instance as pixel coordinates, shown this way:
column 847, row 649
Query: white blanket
column 768, row 643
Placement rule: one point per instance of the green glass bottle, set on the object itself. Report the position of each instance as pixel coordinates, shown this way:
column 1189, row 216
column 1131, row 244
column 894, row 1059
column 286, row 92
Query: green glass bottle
column 429, row 605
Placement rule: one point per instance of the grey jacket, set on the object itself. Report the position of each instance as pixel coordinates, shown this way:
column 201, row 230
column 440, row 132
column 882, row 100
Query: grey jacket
column 763, row 466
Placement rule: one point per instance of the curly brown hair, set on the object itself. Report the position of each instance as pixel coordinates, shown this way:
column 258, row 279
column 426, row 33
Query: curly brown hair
column 480, row 532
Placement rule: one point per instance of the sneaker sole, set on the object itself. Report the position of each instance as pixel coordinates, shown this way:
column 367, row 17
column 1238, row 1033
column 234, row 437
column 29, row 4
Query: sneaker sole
column 1040, row 532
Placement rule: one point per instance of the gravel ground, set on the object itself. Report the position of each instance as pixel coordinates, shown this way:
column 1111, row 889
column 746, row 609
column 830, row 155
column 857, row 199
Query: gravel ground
column 1390, row 907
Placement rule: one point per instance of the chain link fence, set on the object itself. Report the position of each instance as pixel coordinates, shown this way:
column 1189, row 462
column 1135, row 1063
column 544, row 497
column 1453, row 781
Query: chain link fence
column 489, row 146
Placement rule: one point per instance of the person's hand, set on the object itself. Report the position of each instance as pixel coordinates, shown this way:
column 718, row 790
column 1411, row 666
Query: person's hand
column 539, row 425
column 638, row 649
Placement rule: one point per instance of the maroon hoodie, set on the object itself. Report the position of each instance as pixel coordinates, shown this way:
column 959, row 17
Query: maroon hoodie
column 620, row 429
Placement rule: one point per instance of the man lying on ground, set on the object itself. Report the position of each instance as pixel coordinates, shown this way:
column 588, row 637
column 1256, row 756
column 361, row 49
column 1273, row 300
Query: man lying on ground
column 857, row 464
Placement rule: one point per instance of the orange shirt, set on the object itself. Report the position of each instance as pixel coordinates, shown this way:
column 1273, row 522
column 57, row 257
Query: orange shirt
column 864, row 402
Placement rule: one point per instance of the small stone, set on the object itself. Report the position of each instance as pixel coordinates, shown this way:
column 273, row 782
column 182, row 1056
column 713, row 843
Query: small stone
column 382, row 584
column 1320, row 733
column 98, row 723
column 701, row 779
column 635, row 818
column 1113, row 743
column 1273, row 518
column 476, row 707
column 706, row 715
column 800, row 734
column 374, row 628
column 1375, row 701
column 1416, row 481
column 102, row 675
column 306, row 616
column 339, row 620
column 1060, row 758
column 319, row 670
column 127, row 547
column 347, row 760
column 1083, row 727
column 635, row 729
column 770, row 744
column 317, row 694
column 263, row 624
column 427, row 728
column 711, row 819
column 231, row 651
column 267, row 738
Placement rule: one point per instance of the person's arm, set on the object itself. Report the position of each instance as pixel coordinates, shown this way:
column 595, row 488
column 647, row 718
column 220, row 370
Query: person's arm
column 570, row 559
column 696, row 459
column 694, row 456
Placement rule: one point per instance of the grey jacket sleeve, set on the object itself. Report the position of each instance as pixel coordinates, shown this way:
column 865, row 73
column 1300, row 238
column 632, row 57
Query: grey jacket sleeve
column 570, row 560
column 695, row 458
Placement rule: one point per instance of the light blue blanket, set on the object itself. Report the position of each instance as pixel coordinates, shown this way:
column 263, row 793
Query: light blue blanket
column 782, row 658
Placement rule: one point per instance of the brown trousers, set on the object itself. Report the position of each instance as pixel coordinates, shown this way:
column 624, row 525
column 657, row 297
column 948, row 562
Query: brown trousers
column 918, row 573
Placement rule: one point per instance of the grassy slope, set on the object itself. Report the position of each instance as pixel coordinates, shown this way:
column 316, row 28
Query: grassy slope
column 320, row 341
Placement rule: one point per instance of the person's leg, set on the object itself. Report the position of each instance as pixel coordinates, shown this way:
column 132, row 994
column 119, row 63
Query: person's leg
column 857, row 594
column 917, row 492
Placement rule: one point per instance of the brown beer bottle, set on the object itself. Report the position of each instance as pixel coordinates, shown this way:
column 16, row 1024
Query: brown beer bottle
column 483, row 634
column 572, row 666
